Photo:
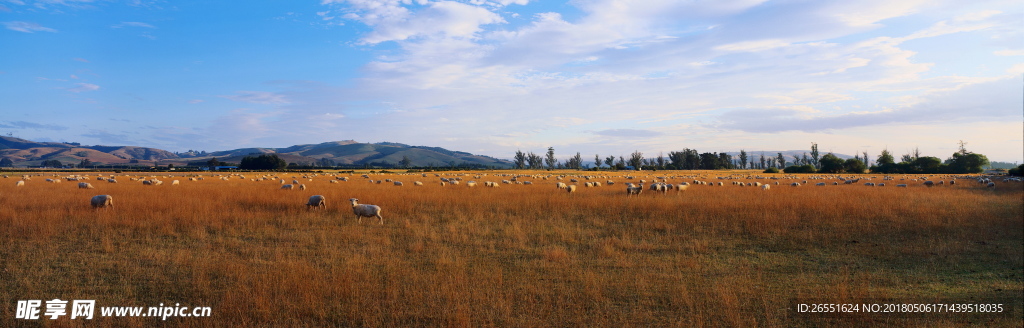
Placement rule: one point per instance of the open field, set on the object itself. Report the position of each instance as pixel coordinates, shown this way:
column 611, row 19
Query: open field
column 512, row 256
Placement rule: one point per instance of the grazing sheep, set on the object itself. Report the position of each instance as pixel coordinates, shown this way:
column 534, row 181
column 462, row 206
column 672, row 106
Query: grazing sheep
column 175, row 182
column 901, row 185
column 929, row 184
column 147, row 182
column 570, row 188
column 302, row 187
column 85, row 185
column 287, row 187
column 682, row 186
column 111, row 180
column 417, row 183
column 316, row 201
column 766, row 187
column 560, row 185
column 99, row 201
column 795, row 184
column 366, row 210
column 952, row 182
column 471, row 184
column 991, row 185
column 820, row 184
column 634, row 190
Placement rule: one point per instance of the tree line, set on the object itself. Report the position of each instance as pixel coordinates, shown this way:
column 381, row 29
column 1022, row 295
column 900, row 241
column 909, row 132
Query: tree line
column 961, row 162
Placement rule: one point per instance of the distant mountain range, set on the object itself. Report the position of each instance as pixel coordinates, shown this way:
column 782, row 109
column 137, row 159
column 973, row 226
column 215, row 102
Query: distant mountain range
column 26, row 153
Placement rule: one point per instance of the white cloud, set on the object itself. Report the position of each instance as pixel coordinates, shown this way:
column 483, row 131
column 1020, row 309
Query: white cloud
column 439, row 19
column 133, row 24
column 259, row 97
column 27, row 27
column 84, row 87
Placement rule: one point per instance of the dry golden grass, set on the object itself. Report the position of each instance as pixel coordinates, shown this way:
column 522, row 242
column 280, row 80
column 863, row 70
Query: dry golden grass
column 512, row 256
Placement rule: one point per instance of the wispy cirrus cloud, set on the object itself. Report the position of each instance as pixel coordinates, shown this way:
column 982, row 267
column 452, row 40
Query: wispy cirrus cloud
column 27, row 27
column 259, row 97
column 84, row 87
column 132, row 24
column 31, row 125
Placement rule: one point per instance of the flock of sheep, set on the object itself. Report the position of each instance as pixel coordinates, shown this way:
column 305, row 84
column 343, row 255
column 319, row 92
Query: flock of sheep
column 657, row 184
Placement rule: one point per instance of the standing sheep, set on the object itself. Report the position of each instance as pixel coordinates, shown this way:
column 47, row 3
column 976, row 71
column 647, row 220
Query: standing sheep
column 570, row 188
column 316, row 201
column 302, row 187
column 631, row 190
column 766, row 186
column 20, row 183
column 85, row 185
column 287, row 187
column 100, row 201
column 366, row 210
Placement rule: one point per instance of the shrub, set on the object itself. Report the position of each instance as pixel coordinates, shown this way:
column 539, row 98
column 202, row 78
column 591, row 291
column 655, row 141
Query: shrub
column 800, row 169
column 771, row 170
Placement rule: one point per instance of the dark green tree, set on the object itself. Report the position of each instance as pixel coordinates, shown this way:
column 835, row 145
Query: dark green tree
column 263, row 162
column 743, row 159
column 636, row 159
column 520, row 159
column 85, row 163
column 831, row 164
column 967, row 163
column 854, row 166
column 550, row 159
column 815, row 160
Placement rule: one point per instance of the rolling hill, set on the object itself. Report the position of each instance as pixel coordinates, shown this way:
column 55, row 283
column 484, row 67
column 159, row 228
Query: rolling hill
column 26, row 153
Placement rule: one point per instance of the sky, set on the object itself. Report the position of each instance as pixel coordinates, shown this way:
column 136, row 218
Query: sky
column 490, row 77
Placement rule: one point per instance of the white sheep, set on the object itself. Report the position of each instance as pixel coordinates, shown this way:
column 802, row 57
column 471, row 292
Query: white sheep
column 287, row 187
column 366, row 210
column 99, row 201
column 634, row 190
column 417, row 183
column 302, row 187
column 316, row 201
column 112, row 180
column 766, row 186
column 560, row 185
column 85, row 185
column 570, row 188
column 795, row 184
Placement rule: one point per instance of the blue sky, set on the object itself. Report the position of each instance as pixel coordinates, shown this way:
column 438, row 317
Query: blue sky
column 492, row 76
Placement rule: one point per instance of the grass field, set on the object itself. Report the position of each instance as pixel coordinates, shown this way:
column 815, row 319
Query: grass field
column 512, row 256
